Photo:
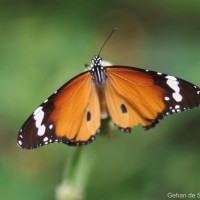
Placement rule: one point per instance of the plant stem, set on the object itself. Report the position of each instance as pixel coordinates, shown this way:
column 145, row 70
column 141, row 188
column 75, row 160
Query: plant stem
column 76, row 175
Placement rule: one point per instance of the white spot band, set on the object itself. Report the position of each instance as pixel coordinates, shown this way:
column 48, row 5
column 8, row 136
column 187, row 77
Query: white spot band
column 38, row 117
column 173, row 84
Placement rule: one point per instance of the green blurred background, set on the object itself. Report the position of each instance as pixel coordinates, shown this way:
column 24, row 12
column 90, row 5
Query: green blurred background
column 45, row 43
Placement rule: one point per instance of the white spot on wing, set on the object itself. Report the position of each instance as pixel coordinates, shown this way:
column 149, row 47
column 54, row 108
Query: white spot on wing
column 173, row 84
column 45, row 139
column 167, row 98
column 41, row 130
column 20, row 142
column 177, row 97
column 37, row 110
column 38, row 117
column 177, row 106
column 171, row 77
column 45, row 100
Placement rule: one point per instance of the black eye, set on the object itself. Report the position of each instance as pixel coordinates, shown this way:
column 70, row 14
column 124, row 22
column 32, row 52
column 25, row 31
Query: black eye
column 123, row 108
column 88, row 116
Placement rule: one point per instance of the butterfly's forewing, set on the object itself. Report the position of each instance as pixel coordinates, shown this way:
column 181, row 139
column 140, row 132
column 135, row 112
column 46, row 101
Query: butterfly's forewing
column 67, row 116
column 136, row 96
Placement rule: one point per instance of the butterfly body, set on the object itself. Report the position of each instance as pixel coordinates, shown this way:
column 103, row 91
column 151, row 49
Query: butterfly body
column 128, row 95
column 98, row 72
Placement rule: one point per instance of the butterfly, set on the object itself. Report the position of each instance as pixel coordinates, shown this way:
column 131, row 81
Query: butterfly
column 128, row 95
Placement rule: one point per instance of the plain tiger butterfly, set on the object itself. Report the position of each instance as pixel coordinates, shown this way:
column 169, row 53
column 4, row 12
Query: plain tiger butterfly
column 128, row 95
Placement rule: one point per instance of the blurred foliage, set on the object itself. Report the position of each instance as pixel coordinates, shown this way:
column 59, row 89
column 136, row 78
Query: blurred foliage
column 45, row 43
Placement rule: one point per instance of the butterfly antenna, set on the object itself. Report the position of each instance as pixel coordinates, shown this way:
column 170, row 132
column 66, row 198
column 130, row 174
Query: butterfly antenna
column 111, row 33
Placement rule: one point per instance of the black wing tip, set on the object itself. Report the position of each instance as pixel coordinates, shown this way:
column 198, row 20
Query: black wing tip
column 168, row 113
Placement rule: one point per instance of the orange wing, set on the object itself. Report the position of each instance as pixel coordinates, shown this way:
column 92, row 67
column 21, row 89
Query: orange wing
column 136, row 96
column 71, row 115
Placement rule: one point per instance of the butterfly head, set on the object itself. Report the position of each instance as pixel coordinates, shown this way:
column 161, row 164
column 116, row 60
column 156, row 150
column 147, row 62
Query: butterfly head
column 96, row 61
